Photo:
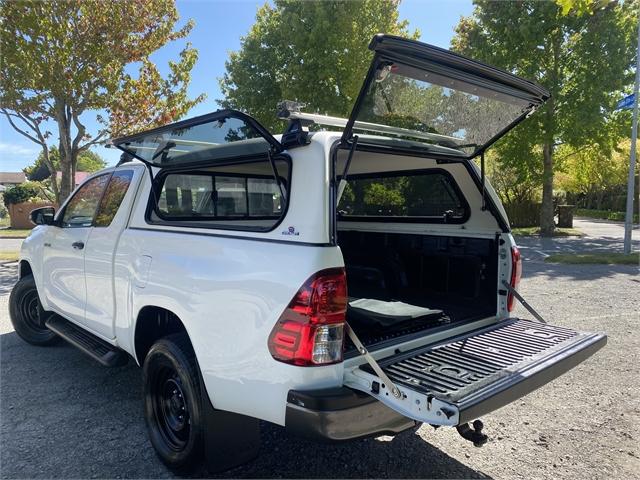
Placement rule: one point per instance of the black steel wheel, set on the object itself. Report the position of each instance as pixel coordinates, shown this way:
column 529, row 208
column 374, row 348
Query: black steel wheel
column 173, row 403
column 27, row 315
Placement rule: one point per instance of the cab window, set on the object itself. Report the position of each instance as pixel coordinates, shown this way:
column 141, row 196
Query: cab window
column 81, row 209
column 240, row 197
column 113, row 196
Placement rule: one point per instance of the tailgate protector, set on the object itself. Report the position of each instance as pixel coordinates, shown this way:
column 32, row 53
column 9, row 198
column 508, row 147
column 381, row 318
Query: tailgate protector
column 454, row 382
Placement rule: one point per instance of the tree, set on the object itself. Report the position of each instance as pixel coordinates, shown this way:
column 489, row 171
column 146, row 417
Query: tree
column 312, row 52
column 593, row 173
column 62, row 59
column 88, row 161
column 583, row 60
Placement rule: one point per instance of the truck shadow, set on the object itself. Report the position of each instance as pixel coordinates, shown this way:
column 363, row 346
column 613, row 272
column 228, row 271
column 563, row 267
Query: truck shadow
column 63, row 416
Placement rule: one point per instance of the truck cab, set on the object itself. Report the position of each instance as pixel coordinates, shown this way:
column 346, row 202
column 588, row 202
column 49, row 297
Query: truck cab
column 348, row 278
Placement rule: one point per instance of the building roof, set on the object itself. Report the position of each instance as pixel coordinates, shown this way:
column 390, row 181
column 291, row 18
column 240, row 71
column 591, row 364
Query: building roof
column 12, row 177
column 80, row 177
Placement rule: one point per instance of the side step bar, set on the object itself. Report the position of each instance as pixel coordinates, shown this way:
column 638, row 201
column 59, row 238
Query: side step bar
column 95, row 347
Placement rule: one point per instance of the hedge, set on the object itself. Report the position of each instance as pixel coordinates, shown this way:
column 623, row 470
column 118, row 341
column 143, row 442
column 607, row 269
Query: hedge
column 604, row 215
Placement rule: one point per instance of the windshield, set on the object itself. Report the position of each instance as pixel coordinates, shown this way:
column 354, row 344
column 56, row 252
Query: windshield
column 436, row 109
column 210, row 137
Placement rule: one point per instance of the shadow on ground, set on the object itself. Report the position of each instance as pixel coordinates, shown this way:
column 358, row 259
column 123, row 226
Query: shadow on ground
column 64, row 416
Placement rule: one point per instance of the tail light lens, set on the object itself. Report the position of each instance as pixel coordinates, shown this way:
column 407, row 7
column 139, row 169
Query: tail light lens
column 516, row 273
column 311, row 329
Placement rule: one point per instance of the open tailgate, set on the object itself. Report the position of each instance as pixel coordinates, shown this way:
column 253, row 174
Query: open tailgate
column 455, row 381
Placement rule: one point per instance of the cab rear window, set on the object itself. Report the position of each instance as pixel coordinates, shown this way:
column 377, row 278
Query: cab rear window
column 426, row 195
column 239, row 197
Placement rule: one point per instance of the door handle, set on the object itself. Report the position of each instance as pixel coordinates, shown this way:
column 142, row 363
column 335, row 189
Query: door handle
column 78, row 245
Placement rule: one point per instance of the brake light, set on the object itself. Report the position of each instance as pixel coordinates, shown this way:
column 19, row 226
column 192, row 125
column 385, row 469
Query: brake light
column 311, row 329
column 516, row 273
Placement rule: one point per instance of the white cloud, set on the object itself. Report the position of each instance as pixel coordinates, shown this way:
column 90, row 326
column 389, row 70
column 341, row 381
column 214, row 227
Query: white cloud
column 14, row 149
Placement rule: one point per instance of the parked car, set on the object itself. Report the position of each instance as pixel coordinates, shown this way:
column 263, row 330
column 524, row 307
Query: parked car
column 341, row 283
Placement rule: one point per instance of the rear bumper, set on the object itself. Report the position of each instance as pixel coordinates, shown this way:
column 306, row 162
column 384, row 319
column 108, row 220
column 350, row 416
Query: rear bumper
column 339, row 414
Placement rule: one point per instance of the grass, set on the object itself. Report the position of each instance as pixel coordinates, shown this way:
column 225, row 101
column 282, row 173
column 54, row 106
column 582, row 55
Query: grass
column 8, row 256
column 535, row 231
column 14, row 233
column 601, row 258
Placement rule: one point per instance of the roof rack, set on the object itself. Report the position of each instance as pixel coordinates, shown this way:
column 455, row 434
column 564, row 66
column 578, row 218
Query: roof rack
column 289, row 110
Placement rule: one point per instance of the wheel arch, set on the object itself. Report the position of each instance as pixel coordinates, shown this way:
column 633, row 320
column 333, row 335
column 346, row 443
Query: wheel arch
column 24, row 269
column 152, row 324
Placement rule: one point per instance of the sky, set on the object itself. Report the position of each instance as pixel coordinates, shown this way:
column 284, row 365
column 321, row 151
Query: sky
column 219, row 26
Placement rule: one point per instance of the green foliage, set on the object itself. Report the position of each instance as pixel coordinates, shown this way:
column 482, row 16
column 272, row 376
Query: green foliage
column 583, row 60
column 88, row 161
column 580, row 7
column 25, row 192
column 592, row 172
column 604, row 215
column 62, row 58
column 594, row 258
column 312, row 52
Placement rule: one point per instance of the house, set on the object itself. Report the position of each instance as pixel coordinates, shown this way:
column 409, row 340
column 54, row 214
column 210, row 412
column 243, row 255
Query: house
column 79, row 177
column 10, row 179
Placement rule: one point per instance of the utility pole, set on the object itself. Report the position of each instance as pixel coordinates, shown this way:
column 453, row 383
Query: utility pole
column 628, row 220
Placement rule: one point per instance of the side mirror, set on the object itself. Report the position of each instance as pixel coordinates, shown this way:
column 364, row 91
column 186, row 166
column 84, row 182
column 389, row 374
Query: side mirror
column 43, row 216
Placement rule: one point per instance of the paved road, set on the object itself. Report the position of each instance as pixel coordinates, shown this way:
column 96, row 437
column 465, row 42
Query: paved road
column 63, row 416
column 599, row 235
column 10, row 244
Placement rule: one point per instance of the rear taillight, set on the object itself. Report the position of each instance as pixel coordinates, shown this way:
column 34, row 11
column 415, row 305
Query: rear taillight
column 516, row 273
column 311, row 329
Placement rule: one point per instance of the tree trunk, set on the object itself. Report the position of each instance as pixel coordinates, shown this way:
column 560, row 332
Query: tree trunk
column 66, row 150
column 547, row 224
column 52, row 170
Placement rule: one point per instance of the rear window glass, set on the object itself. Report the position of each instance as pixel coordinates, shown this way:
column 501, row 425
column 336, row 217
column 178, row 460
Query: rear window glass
column 421, row 195
column 240, row 197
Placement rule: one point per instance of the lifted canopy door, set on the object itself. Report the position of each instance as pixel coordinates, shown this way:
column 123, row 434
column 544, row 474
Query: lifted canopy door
column 459, row 380
column 221, row 135
column 431, row 96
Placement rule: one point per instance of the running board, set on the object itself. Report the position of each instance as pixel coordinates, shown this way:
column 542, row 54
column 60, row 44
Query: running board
column 95, row 347
column 453, row 382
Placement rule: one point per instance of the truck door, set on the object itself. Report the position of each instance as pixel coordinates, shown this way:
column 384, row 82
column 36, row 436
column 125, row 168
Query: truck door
column 110, row 221
column 63, row 257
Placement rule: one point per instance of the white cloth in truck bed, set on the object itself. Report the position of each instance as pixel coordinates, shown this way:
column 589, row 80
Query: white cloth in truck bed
column 390, row 313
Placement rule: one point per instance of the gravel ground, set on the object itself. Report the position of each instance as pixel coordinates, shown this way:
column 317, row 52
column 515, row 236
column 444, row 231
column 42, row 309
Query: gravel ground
column 64, row 416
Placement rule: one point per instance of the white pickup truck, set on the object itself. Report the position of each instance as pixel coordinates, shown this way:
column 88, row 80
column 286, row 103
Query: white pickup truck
column 340, row 284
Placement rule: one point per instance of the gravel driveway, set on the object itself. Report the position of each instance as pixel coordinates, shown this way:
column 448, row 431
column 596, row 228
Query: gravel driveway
column 64, row 416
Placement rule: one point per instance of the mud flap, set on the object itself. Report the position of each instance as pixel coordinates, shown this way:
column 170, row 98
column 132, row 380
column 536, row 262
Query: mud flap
column 230, row 439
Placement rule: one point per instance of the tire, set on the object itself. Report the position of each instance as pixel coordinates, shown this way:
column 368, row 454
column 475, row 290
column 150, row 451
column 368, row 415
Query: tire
column 27, row 315
column 173, row 403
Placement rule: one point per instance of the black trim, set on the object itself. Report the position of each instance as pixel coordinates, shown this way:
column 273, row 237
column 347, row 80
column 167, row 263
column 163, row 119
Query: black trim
column 235, row 237
column 191, row 122
column 411, row 219
column 158, row 182
column 341, row 414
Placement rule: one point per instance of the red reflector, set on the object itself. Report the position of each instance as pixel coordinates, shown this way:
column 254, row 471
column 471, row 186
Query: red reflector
column 516, row 273
column 311, row 329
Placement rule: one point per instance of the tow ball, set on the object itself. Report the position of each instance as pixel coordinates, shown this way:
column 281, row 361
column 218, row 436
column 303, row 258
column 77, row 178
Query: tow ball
column 473, row 434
